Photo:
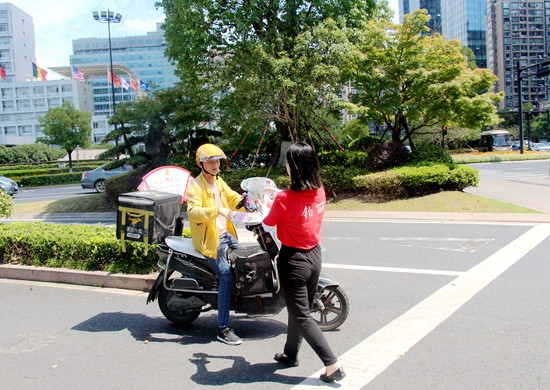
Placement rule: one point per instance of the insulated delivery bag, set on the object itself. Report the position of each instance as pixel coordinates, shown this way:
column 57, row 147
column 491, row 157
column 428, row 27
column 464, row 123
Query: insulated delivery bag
column 147, row 216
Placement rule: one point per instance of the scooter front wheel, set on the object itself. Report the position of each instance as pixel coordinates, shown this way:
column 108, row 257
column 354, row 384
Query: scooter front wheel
column 330, row 308
column 177, row 316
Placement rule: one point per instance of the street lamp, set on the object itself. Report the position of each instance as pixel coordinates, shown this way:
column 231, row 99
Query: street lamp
column 109, row 17
column 543, row 70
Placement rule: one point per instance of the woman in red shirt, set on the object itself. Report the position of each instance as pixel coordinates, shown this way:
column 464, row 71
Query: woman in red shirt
column 298, row 213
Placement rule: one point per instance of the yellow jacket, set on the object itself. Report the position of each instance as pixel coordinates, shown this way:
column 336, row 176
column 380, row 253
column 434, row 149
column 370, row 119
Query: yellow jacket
column 202, row 212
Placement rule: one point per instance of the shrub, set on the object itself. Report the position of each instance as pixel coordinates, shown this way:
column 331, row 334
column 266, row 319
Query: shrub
column 343, row 159
column 127, row 182
column 6, row 204
column 340, row 178
column 461, row 177
column 427, row 154
column 387, row 155
column 381, row 186
column 416, row 181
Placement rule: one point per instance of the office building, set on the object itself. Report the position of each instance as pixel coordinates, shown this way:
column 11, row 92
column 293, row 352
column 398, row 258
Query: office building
column 432, row 6
column 455, row 19
column 465, row 20
column 144, row 55
column 516, row 36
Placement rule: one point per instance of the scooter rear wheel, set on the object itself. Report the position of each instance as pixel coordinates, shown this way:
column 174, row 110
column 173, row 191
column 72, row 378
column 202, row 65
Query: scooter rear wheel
column 179, row 317
column 330, row 308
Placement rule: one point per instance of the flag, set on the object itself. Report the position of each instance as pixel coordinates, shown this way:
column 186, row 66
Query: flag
column 143, row 85
column 38, row 72
column 114, row 78
column 2, row 73
column 77, row 74
column 124, row 83
column 134, row 84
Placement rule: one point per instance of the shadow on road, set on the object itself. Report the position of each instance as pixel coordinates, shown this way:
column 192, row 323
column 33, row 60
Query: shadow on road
column 159, row 329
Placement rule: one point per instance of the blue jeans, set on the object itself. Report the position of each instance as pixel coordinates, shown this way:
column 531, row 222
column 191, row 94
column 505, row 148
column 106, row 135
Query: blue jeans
column 223, row 271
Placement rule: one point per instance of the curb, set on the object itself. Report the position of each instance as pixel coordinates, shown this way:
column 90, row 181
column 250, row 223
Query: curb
column 84, row 278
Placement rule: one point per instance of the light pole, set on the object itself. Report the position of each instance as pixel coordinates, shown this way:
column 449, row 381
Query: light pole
column 109, row 17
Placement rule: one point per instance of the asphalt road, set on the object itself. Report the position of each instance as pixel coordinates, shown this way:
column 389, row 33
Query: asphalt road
column 525, row 183
column 440, row 304
column 434, row 305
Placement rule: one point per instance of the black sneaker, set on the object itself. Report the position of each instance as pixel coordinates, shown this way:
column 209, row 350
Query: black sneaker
column 228, row 336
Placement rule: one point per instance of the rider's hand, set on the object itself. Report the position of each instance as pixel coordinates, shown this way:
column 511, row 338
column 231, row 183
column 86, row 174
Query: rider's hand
column 227, row 213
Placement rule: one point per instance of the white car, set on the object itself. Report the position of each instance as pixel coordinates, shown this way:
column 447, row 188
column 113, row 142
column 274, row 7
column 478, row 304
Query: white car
column 540, row 147
column 8, row 185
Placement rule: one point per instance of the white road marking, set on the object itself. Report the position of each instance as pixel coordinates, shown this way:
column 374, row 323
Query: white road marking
column 374, row 355
column 454, row 244
column 393, row 269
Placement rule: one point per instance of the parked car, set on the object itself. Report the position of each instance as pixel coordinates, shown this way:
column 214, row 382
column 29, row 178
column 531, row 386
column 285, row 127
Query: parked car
column 8, row 185
column 96, row 179
column 541, row 147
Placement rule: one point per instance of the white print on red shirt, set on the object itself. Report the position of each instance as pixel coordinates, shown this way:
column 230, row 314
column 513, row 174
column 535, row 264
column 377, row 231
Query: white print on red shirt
column 308, row 212
column 321, row 207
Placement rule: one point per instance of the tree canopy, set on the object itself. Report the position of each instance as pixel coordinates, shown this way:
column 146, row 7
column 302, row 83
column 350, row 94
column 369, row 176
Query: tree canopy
column 408, row 80
column 66, row 127
column 263, row 61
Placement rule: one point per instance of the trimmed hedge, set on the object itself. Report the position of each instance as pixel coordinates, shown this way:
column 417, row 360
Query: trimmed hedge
column 82, row 247
column 50, row 180
column 406, row 182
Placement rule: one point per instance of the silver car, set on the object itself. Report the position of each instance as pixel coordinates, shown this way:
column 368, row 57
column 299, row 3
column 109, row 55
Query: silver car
column 8, row 185
column 96, row 179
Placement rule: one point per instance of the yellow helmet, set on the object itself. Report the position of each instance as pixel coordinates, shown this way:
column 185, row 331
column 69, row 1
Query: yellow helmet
column 209, row 152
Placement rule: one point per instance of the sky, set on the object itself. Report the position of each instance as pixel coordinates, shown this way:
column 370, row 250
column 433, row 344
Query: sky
column 58, row 22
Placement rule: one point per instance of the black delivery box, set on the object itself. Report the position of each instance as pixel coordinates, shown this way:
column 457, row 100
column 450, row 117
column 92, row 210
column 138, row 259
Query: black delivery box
column 147, row 216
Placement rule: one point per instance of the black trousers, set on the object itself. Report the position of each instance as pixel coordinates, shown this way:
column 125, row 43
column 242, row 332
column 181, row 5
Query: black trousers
column 299, row 272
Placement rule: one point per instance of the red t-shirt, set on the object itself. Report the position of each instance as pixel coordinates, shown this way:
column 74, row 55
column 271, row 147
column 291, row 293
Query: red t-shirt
column 298, row 216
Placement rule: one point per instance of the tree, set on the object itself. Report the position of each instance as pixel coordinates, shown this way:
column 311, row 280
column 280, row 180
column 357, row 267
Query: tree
column 408, row 80
column 263, row 61
column 66, row 127
column 152, row 129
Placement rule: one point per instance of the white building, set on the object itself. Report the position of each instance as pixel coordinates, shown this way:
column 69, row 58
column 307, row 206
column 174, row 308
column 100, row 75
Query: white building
column 22, row 103
column 17, row 49
column 23, row 98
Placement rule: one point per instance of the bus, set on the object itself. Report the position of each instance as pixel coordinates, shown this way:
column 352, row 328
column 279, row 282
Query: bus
column 493, row 140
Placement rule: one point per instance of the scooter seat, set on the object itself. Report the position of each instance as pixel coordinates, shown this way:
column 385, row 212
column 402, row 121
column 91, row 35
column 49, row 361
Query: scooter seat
column 184, row 245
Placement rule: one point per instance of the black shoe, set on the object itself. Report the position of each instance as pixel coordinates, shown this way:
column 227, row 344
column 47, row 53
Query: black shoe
column 337, row 375
column 228, row 336
column 282, row 358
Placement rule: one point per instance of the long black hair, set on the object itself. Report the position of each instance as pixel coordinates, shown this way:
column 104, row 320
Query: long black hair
column 304, row 167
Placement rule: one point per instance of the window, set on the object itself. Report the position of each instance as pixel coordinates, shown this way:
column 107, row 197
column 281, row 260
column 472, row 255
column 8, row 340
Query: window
column 8, row 105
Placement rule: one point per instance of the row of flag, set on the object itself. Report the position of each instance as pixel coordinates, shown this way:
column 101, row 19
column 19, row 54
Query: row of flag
column 121, row 82
column 78, row 75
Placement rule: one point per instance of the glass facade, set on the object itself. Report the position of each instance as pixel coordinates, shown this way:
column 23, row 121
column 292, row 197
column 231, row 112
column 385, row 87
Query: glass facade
column 434, row 10
column 465, row 20
column 144, row 55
